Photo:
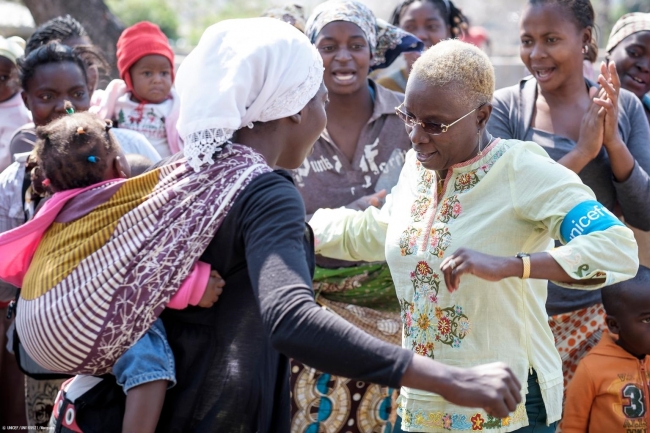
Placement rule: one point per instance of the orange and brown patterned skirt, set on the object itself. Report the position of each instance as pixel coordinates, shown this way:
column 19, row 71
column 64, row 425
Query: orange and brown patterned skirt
column 576, row 333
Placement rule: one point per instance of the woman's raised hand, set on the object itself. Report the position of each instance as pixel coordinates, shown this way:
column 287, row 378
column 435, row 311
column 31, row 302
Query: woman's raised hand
column 592, row 129
column 592, row 133
column 620, row 158
column 485, row 266
column 608, row 100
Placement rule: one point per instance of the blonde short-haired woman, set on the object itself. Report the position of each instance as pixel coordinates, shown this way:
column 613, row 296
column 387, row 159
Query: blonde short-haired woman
column 468, row 234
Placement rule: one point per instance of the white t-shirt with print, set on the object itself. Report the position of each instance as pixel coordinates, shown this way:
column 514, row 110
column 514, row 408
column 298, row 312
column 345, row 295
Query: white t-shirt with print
column 147, row 119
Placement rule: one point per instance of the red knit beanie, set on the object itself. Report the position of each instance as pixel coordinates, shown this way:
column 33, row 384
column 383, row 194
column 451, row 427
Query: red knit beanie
column 139, row 40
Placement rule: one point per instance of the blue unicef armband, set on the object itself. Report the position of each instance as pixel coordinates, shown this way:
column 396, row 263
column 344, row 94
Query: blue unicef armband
column 587, row 217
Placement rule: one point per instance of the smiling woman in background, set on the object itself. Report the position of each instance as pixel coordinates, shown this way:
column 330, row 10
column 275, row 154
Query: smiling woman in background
column 629, row 48
column 430, row 21
column 606, row 147
column 363, row 143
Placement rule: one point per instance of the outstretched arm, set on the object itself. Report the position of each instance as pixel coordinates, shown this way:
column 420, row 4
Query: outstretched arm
column 354, row 235
column 276, row 253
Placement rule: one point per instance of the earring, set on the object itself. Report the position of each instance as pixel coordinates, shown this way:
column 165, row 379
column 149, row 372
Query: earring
column 478, row 138
column 585, row 49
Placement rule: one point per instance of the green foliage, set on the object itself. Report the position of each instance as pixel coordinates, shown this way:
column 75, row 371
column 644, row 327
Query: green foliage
column 229, row 9
column 157, row 11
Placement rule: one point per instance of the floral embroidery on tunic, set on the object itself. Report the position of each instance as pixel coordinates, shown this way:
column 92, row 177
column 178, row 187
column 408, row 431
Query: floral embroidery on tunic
column 450, row 209
column 426, row 283
column 466, row 181
column 420, row 207
column 439, row 241
column 408, row 241
column 419, row 327
column 419, row 419
column 426, row 179
column 477, row 422
column 439, row 238
column 424, row 322
column 453, row 325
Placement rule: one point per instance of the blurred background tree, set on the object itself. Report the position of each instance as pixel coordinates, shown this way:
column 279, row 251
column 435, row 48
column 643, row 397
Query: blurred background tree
column 102, row 26
column 183, row 21
column 157, row 11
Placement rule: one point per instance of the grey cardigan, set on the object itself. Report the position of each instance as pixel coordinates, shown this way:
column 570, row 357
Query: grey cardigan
column 511, row 118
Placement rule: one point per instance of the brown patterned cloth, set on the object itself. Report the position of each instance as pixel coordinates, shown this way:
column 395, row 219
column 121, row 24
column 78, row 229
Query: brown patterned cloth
column 39, row 400
column 327, row 403
column 576, row 334
column 330, row 404
column 99, row 271
column 386, row 326
column 293, row 14
column 627, row 25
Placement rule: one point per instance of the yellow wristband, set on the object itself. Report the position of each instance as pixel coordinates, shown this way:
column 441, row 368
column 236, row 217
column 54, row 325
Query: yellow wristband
column 526, row 262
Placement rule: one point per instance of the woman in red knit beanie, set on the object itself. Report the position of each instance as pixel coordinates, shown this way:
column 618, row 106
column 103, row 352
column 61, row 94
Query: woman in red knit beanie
column 143, row 99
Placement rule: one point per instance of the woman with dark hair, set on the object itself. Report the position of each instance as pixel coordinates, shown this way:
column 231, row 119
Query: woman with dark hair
column 430, row 21
column 628, row 48
column 606, row 145
column 65, row 29
column 70, row 32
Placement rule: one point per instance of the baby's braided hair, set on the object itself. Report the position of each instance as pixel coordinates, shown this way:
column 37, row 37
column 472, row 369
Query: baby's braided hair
column 453, row 16
column 73, row 150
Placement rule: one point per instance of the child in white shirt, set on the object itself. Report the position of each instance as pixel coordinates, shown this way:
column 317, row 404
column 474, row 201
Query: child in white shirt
column 13, row 113
column 143, row 100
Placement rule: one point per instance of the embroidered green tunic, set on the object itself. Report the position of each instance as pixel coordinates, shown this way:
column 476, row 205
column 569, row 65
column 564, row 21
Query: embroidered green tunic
column 513, row 198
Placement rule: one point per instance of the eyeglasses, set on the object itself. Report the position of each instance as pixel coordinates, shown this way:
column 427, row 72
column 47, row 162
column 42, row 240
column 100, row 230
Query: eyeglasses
column 428, row 127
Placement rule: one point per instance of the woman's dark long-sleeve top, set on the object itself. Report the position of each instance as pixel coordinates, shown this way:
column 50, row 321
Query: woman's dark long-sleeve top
column 231, row 359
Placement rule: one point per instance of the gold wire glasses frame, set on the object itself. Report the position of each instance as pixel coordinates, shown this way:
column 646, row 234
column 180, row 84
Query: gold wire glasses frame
column 428, row 127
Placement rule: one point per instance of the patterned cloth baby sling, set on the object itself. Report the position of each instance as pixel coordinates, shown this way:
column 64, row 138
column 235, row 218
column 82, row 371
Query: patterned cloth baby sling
column 98, row 265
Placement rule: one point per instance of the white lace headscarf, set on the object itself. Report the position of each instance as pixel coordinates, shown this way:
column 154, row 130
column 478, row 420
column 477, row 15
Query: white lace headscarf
column 242, row 71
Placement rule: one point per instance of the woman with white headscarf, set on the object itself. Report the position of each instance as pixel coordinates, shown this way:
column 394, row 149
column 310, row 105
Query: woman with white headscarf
column 253, row 89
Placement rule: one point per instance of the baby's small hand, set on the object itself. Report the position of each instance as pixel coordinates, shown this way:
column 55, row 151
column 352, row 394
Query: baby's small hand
column 213, row 290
